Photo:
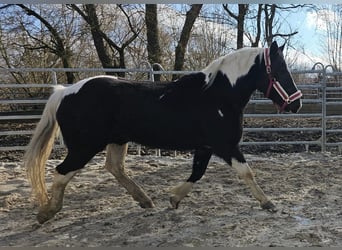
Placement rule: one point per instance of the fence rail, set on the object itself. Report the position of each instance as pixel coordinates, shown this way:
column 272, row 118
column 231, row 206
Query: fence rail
column 322, row 100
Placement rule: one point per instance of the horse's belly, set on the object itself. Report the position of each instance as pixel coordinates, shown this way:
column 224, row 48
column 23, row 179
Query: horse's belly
column 180, row 138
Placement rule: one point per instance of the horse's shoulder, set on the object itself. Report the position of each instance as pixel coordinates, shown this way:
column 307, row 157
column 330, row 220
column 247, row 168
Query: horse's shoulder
column 188, row 87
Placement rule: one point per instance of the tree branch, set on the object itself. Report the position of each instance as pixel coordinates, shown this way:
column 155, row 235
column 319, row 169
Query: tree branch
column 225, row 7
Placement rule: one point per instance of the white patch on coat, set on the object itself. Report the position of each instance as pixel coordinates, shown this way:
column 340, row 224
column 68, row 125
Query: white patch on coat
column 242, row 169
column 233, row 65
column 182, row 190
column 73, row 89
column 220, row 112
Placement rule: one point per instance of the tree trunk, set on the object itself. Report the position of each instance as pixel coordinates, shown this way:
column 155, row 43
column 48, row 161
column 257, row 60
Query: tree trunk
column 152, row 33
column 255, row 43
column 190, row 19
column 241, row 24
column 96, row 33
column 240, row 19
column 60, row 49
column 269, row 17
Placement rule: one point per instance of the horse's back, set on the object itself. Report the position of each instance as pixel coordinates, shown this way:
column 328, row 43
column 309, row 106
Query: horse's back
column 97, row 108
column 108, row 110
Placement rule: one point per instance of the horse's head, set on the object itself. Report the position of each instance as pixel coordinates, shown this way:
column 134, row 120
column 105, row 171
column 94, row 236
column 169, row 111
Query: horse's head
column 279, row 85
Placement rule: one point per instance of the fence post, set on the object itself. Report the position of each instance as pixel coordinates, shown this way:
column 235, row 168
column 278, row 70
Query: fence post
column 158, row 67
column 324, row 110
column 150, row 70
column 54, row 77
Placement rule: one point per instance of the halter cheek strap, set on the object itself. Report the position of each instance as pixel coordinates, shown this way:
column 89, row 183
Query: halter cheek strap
column 273, row 83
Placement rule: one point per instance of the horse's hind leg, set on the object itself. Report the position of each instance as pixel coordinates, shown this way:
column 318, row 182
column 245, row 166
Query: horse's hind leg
column 115, row 164
column 55, row 203
column 74, row 161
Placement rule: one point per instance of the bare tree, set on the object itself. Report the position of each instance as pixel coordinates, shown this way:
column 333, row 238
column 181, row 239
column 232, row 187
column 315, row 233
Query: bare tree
column 272, row 25
column 332, row 19
column 240, row 19
column 256, row 40
column 190, row 19
column 102, row 40
column 152, row 34
column 113, row 36
column 56, row 45
column 260, row 23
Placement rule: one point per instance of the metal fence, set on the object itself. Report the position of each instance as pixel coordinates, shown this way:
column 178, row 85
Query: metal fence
column 322, row 103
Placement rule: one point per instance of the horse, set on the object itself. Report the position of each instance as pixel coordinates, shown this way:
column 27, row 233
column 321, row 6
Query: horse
column 201, row 112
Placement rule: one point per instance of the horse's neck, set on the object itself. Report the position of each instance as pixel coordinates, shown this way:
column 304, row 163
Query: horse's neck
column 245, row 86
column 234, row 65
column 242, row 72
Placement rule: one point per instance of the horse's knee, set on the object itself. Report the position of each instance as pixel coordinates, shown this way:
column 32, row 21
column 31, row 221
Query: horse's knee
column 117, row 169
column 115, row 159
column 243, row 170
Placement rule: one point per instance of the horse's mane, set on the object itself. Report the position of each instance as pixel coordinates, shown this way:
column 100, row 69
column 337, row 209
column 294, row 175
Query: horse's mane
column 193, row 86
column 233, row 65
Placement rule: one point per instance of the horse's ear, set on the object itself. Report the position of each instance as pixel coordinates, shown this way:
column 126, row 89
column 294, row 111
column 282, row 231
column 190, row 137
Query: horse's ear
column 282, row 47
column 274, row 48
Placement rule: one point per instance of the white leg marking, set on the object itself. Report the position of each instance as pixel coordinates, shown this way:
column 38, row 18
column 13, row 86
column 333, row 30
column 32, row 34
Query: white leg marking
column 115, row 165
column 246, row 173
column 179, row 192
column 57, row 189
column 242, row 169
column 57, row 193
column 63, row 180
column 182, row 189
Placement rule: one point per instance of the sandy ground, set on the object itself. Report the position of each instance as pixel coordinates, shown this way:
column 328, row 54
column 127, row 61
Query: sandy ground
column 220, row 211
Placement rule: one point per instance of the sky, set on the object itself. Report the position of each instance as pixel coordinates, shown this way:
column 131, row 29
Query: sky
column 312, row 32
column 309, row 35
column 309, row 30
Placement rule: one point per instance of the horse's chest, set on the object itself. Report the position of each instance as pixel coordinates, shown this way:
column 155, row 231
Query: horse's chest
column 225, row 125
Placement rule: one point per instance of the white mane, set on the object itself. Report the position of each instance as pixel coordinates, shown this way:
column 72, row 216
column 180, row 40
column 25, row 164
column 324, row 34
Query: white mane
column 232, row 65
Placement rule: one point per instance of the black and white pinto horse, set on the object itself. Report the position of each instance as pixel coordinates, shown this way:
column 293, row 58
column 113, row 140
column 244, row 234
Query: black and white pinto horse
column 200, row 111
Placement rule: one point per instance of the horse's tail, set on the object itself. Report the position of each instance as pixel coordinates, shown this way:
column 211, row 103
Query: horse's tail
column 40, row 146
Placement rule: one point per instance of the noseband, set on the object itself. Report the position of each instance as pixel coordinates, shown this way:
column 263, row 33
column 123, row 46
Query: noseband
column 273, row 83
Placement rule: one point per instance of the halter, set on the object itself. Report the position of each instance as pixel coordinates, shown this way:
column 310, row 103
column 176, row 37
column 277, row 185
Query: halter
column 276, row 85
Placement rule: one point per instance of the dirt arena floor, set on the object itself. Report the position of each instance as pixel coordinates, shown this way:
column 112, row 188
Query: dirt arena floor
column 220, row 211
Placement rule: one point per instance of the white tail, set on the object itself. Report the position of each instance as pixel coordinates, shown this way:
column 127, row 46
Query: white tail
column 40, row 146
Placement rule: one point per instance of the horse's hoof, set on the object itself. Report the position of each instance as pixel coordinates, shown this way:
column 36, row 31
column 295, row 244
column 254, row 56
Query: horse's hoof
column 45, row 213
column 43, row 217
column 174, row 202
column 146, row 204
column 269, row 206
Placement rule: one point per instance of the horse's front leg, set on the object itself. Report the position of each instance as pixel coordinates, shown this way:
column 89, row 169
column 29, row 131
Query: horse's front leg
column 238, row 162
column 200, row 163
